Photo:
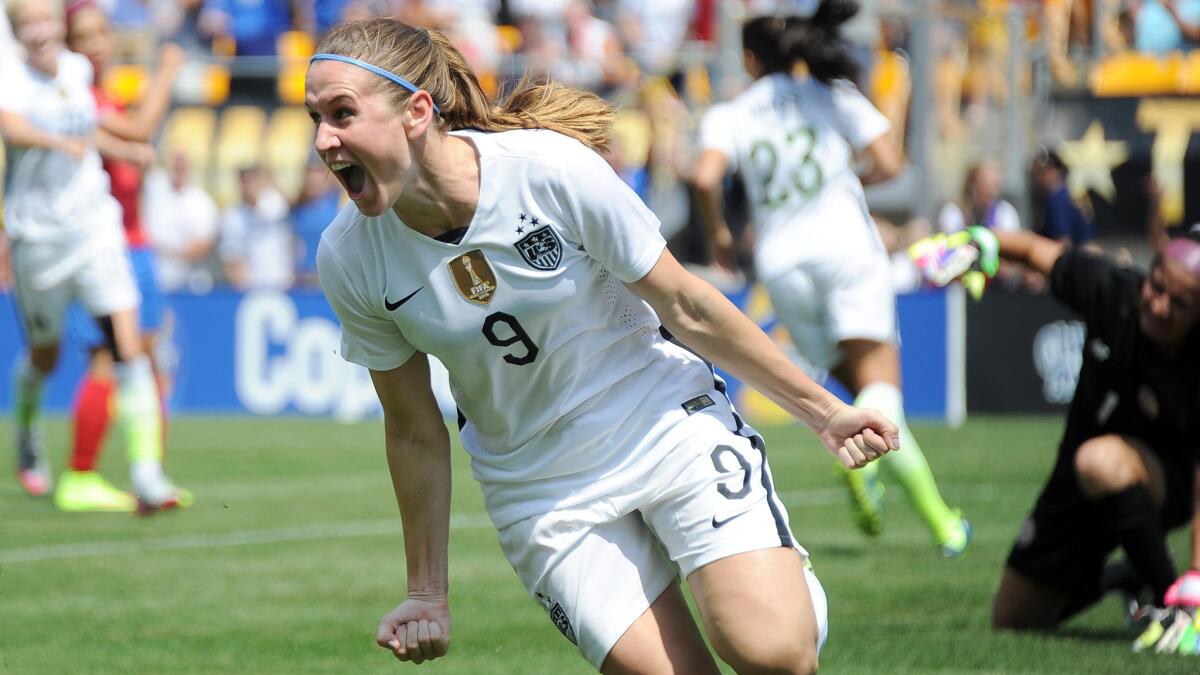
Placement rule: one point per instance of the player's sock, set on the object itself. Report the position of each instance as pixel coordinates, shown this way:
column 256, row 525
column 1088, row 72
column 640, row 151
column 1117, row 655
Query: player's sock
column 162, row 411
column 910, row 469
column 1134, row 518
column 91, row 421
column 138, row 420
column 33, row 471
column 27, row 395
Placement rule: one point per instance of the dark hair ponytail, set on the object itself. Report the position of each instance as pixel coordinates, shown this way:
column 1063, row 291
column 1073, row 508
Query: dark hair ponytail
column 779, row 42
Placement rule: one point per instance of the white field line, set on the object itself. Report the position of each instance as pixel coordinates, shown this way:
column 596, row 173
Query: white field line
column 369, row 528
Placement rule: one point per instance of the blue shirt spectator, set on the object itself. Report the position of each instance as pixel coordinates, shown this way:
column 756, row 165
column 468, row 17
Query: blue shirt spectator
column 315, row 207
column 254, row 24
column 1064, row 220
column 1158, row 31
column 1061, row 218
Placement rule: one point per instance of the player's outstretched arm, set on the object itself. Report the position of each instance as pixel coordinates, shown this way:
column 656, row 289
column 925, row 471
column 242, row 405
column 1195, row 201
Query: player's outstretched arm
column 141, row 123
column 977, row 251
column 418, row 454
column 706, row 321
column 1033, row 250
column 19, row 131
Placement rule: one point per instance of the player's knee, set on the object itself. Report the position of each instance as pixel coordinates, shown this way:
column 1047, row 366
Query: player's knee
column 784, row 657
column 44, row 359
column 1106, row 464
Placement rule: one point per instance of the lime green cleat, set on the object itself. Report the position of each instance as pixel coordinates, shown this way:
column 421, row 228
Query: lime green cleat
column 89, row 491
column 866, row 498
column 957, row 537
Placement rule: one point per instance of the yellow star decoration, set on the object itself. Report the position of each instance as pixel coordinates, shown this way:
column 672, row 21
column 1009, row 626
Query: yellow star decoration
column 1091, row 160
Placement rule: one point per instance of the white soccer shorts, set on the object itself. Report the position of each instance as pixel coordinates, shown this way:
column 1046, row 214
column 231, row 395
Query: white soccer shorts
column 48, row 275
column 823, row 302
column 597, row 567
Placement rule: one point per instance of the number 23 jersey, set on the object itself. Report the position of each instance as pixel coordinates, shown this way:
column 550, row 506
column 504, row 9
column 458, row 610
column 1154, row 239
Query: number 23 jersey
column 793, row 142
column 550, row 355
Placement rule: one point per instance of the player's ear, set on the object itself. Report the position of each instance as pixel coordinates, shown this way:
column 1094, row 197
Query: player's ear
column 419, row 114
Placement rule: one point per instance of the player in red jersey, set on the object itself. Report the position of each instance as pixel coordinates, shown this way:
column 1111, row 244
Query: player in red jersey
column 88, row 34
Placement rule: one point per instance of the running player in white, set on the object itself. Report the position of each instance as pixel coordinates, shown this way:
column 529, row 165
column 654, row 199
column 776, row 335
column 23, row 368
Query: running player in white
column 498, row 240
column 67, row 244
column 794, row 141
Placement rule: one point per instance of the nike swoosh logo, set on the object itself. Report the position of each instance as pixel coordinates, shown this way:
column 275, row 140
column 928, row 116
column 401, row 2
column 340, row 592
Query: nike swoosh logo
column 718, row 523
column 392, row 306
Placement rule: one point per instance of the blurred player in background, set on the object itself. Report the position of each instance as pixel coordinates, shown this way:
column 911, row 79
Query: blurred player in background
column 500, row 241
column 89, row 34
column 817, row 252
column 1127, row 462
column 67, row 244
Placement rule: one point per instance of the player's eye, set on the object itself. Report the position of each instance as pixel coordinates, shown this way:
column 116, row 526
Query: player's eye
column 343, row 113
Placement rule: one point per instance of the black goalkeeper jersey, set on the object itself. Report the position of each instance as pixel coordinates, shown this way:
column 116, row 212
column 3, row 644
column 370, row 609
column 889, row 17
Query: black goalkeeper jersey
column 1126, row 384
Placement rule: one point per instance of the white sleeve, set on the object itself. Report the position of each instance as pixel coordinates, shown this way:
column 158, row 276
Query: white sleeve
column 605, row 217
column 716, row 133
column 860, row 123
column 1006, row 218
column 368, row 339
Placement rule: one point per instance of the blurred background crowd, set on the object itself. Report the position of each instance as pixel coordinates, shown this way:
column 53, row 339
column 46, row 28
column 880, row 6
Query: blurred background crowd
column 1068, row 117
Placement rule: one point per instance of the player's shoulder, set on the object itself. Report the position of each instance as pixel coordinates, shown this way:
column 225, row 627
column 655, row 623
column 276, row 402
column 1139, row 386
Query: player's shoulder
column 344, row 234
column 540, row 159
column 539, row 147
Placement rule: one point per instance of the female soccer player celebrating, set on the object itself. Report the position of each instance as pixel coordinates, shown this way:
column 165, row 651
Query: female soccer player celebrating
column 817, row 251
column 498, row 240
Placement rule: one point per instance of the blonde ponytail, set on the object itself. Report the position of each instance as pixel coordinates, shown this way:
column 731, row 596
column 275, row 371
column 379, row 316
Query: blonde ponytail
column 428, row 60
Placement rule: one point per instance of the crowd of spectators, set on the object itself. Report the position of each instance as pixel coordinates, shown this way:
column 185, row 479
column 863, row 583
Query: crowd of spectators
column 653, row 58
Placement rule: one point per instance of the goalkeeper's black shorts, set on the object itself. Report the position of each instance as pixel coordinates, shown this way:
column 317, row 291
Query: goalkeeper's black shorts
column 1064, row 543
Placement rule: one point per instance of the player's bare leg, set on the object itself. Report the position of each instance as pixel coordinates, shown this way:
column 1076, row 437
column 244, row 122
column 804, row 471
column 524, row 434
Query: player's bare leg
column 1124, row 480
column 871, row 371
column 1024, row 604
column 759, row 627
column 664, row 639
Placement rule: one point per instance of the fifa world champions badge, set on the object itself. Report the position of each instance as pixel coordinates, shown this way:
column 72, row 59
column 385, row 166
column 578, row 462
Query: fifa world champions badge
column 473, row 277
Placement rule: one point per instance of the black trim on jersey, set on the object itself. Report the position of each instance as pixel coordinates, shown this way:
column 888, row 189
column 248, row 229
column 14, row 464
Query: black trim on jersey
column 462, row 419
column 454, row 236
column 741, row 429
column 785, row 535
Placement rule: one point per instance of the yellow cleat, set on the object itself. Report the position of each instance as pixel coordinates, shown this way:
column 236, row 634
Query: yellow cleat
column 89, row 491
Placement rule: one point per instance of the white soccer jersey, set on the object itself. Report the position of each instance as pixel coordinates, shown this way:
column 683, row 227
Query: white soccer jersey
column 51, row 196
column 559, row 370
column 793, row 141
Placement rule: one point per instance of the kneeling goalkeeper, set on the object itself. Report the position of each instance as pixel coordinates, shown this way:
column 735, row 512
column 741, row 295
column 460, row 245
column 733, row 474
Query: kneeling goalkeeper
column 1127, row 462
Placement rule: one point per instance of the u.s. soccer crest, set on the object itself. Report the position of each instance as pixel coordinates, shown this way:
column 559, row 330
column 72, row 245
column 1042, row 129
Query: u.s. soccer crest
column 473, row 276
column 559, row 616
column 541, row 249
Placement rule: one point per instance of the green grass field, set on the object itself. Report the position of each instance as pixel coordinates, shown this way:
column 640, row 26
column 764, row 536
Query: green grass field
column 293, row 551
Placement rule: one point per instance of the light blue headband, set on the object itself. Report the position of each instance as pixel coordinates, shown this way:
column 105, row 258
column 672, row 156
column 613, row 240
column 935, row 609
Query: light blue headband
column 374, row 69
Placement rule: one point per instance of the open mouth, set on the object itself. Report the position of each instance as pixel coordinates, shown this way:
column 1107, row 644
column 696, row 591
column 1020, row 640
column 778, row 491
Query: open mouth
column 352, row 176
